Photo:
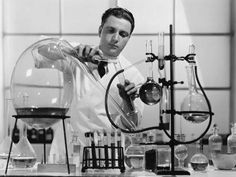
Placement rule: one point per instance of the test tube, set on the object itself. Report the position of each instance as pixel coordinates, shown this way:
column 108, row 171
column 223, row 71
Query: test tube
column 100, row 151
column 86, row 150
column 94, row 158
column 106, row 149
column 119, row 148
column 161, row 61
column 113, row 149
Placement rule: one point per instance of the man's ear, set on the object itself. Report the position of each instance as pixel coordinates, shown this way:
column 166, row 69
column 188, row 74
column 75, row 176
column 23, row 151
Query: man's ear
column 99, row 31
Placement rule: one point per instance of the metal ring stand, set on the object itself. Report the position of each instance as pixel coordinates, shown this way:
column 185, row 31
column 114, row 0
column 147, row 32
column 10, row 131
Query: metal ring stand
column 173, row 142
column 40, row 116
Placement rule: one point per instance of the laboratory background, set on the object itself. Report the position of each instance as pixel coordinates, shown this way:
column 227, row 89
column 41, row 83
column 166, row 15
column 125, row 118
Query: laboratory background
column 208, row 24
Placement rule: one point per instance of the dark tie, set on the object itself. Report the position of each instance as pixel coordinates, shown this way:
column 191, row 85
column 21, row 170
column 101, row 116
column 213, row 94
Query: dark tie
column 101, row 68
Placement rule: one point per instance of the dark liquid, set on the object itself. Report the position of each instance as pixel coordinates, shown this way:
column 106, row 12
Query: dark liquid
column 195, row 117
column 199, row 166
column 43, row 122
column 23, row 162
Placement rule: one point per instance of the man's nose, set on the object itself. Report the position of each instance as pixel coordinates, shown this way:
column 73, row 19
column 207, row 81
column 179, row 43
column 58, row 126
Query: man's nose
column 115, row 37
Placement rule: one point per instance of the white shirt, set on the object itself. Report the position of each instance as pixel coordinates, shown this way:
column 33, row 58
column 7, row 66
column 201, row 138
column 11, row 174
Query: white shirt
column 88, row 111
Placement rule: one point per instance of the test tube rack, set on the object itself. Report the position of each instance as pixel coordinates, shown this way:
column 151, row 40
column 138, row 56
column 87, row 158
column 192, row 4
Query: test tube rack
column 103, row 157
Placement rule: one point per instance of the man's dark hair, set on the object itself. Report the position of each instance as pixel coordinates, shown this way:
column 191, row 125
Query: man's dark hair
column 119, row 13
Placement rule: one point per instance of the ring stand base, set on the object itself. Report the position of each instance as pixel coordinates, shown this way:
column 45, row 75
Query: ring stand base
column 177, row 171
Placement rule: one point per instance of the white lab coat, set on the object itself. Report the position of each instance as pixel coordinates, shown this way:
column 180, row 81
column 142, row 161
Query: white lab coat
column 88, row 111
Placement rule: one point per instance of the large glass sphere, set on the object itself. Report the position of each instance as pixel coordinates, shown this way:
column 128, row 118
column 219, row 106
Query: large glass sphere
column 42, row 83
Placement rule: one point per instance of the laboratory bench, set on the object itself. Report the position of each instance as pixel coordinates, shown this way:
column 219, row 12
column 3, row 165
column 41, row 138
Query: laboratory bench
column 210, row 172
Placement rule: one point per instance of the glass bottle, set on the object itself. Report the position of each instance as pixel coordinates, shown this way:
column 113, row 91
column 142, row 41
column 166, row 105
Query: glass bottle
column 75, row 149
column 27, row 155
column 194, row 104
column 215, row 140
column 135, row 153
column 150, row 92
column 231, row 140
column 199, row 161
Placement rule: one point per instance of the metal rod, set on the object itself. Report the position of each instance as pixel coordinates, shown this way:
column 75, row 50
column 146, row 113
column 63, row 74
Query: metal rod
column 10, row 149
column 172, row 103
column 44, row 146
column 67, row 159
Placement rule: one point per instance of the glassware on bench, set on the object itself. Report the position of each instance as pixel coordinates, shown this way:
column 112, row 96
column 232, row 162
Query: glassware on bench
column 194, row 106
column 27, row 156
column 150, row 92
column 181, row 152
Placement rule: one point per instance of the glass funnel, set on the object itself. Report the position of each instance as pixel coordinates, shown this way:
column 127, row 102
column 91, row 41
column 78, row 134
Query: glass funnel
column 194, row 106
column 40, row 85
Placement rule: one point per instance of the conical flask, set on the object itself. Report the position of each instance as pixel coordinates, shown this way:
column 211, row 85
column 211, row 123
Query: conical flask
column 27, row 156
column 6, row 142
column 194, row 106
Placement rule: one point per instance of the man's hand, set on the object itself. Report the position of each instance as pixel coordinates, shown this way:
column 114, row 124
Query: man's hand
column 127, row 90
column 89, row 53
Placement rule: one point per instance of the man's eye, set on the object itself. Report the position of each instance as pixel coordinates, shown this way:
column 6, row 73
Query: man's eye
column 110, row 30
column 124, row 34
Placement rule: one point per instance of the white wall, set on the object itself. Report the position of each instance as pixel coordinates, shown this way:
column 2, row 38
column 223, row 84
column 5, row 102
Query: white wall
column 1, row 74
column 196, row 21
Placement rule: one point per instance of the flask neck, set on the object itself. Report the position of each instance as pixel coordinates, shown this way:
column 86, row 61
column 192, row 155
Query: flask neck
column 191, row 77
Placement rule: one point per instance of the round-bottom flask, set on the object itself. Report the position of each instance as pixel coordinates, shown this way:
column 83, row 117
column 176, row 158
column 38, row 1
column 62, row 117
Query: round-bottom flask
column 199, row 161
column 150, row 92
column 194, row 106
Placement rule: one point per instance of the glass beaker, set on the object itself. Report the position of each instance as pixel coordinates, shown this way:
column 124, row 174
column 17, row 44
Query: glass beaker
column 27, row 156
column 194, row 105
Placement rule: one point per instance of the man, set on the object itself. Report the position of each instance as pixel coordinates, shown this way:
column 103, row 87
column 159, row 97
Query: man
column 88, row 112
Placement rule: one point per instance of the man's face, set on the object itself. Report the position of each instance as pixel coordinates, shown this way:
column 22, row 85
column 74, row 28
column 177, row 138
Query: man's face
column 114, row 35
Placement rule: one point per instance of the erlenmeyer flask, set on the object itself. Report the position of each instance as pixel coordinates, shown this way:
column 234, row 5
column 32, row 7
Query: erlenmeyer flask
column 27, row 155
column 150, row 92
column 6, row 142
column 194, row 104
